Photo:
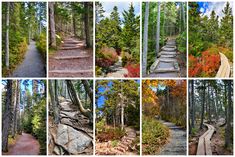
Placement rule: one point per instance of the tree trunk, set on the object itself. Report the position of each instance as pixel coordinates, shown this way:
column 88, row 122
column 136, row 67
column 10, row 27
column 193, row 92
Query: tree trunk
column 76, row 100
column 203, row 104
column 87, row 25
column 88, row 90
column 52, row 25
column 145, row 40
column 74, row 26
column 158, row 29
column 7, row 117
column 7, row 35
column 16, row 106
column 228, row 131
column 193, row 104
column 53, row 102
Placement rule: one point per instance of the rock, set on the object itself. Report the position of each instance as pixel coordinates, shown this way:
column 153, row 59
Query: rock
column 71, row 140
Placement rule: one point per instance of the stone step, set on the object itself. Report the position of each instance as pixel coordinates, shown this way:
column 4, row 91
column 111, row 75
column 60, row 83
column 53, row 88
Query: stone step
column 166, row 70
column 168, row 49
column 167, row 60
column 167, row 56
column 168, row 53
column 71, row 57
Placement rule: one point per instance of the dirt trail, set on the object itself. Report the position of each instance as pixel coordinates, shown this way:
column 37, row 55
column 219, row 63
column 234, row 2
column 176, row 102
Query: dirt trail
column 177, row 143
column 71, row 60
column 25, row 145
column 33, row 64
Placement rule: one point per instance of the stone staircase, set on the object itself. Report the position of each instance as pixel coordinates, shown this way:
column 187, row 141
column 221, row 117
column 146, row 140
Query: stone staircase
column 166, row 64
column 71, row 60
column 124, row 147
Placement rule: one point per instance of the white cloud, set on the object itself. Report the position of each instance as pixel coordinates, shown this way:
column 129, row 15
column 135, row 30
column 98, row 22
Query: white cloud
column 108, row 7
column 202, row 10
column 217, row 7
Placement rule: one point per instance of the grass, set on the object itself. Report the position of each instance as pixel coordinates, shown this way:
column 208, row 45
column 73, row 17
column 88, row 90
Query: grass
column 154, row 136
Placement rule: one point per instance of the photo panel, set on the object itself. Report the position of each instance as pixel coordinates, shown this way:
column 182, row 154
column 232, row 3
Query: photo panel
column 70, row 39
column 164, row 38
column 117, row 129
column 210, row 41
column 70, row 117
column 117, row 39
column 24, row 34
column 24, row 117
column 164, row 117
column 210, row 112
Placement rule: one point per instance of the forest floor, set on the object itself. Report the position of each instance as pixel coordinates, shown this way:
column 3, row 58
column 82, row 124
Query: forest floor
column 74, row 133
column 124, row 147
column 33, row 64
column 25, row 144
column 117, row 70
column 166, row 65
column 177, row 140
column 72, row 59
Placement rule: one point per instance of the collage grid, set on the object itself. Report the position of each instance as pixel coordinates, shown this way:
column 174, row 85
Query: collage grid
column 95, row 79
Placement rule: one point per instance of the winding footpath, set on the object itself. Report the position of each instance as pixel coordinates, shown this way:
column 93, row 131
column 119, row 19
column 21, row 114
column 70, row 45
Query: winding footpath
column 224, row 69
column 117, row 70
column 33, row 64
column 204, row 143
column 177, row 143
column 71, row 60
column 166, row 64
column 25, row 145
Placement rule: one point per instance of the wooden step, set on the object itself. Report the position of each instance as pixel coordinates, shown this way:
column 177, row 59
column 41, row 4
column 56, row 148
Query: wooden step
column 71, row 57
column 71, row 71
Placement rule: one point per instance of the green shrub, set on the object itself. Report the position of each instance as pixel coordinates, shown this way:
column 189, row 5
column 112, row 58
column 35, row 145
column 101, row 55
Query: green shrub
column 41, row 45
column 154, row 135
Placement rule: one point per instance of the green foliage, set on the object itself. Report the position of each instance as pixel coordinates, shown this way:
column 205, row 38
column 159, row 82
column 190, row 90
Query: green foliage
column 181, row 41
column 154, row 135
column 114, row 143
column 41, row 45
column 39, row 125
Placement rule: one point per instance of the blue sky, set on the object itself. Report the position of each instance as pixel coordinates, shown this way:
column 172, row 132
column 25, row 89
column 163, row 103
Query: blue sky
column 101, row 99
column 108, row 7
column 207, row 7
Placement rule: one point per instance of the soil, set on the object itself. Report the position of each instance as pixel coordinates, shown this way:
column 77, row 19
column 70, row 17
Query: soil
column 26, row 144
column 217, row 143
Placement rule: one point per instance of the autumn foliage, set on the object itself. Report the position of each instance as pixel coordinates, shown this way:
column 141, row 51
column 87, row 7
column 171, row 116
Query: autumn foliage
column 106, row 57
column 133, row 70
column 206, row 65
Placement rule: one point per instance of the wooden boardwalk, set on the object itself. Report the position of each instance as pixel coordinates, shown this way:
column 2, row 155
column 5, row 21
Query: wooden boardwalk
column 166, row 64
column 204, row 143
column 224, row 69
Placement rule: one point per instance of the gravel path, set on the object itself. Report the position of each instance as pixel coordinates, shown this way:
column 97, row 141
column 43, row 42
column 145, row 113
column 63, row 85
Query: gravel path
column 33, row 65
column 177, row 143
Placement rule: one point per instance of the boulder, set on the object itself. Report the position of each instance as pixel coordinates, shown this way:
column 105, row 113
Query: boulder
column 73, row 141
